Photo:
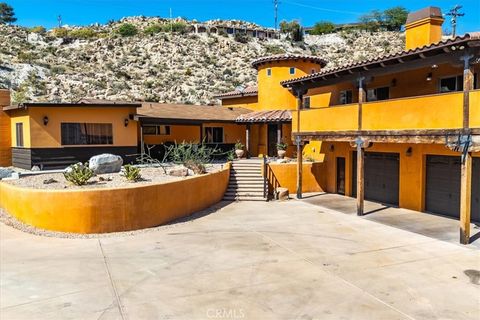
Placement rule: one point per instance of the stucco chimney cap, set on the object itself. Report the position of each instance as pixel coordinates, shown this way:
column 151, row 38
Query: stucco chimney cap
column 428, row 12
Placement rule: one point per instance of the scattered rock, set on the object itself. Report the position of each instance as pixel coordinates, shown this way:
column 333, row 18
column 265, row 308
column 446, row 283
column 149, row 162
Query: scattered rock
column 35, row 168
column 178, row 172
column 282, row 194
column 105, row 163
column 282, row 160
column 5, row 173
column 105, row 178
column 49, row 181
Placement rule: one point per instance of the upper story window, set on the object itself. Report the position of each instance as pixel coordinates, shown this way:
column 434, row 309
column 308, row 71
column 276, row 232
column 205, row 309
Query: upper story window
column 156, row 130
column 306, row 102
column 213, row 134
column 292, row 70
column 451, row 84
column 346, row 96
column 19, row 134
column 86, row 133
column 382, row 93
column 269, row 72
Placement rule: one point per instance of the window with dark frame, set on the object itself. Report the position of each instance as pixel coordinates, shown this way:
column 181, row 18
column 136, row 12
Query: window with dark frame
column 269, row 72
column 377, row 94
column 156, row 130
column 346, row 96
column 86, row 133
column 213, row 134
column 19, row 134
column 451, row 84
column 306, row 102
column 292, row 70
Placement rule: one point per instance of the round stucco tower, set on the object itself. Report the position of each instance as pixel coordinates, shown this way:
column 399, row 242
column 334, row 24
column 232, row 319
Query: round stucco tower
column 274, row 69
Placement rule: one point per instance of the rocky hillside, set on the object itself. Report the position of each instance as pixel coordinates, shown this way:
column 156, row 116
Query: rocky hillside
column 155, row 66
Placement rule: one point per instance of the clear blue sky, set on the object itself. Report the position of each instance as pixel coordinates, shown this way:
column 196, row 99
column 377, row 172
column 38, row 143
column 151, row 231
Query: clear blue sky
column 84, row 12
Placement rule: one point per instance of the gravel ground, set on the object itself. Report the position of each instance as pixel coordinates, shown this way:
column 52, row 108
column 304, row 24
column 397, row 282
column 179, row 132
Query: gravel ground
column 112, row 180
column 13, row 222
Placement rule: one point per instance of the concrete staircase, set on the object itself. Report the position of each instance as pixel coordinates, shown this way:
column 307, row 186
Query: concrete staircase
column 246, row 181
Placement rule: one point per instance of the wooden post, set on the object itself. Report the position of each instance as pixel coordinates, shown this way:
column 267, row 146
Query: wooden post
column 465, row 199
column 360, row 177
column 142, row 145
column 247, row 140
column 201, row 133
column 467, row 87
column 279, row 133
column 361, row 100
column 298, row 142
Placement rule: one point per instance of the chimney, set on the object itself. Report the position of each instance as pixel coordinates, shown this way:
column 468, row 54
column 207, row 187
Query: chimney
column 423, row 27
column 5, row 131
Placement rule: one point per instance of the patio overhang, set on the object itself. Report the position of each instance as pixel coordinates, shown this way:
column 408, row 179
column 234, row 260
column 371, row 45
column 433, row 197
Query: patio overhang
column 267, row 116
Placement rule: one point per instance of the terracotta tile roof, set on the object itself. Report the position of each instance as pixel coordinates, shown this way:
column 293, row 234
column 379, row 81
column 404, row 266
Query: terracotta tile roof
column 188, row 113
column 266, row 116
column 288, row 57
column 79, row 103
column 247, row 92
column 399, row 57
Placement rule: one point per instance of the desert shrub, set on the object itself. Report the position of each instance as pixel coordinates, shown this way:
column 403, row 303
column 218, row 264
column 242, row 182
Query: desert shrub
column 153, row 29
column 78, row 174
column 131, row 173
column 127, row 30
column 178, row 27
column 83, row 33
column 274, row 49
column 27, row 57
column 38, row 29
column 60, row 32
column 323, row 27
column 241, row 37
column 191, row 155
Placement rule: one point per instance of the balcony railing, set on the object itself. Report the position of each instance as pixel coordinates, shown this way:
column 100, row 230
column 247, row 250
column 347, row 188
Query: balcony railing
column 439, row 111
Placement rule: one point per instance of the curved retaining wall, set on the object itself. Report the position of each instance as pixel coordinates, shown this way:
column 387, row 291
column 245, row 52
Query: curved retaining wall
column 112, row 210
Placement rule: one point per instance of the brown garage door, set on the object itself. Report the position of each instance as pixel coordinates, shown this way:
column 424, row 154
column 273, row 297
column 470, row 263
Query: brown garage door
column 442, row 193
column 381, row 177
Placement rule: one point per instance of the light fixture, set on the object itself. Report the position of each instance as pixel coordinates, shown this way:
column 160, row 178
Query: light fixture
column 394, row 82
column 429, row 76
column 332, row 148
column 45, row 120
column 125, row 122
column 409, row 152
column 434, row 66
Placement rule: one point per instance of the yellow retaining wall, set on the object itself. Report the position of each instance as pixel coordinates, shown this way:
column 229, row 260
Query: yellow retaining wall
column 112, row 210
column 285, row 175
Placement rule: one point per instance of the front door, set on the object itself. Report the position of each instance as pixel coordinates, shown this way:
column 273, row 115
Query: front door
column 272, row 140
column 341, row 175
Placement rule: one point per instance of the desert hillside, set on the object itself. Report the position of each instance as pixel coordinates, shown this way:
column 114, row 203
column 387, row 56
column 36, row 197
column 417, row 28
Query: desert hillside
column 97, row 62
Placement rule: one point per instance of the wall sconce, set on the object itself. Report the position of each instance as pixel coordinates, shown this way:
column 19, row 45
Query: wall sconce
column 45, row 120
column 429, row 76
column 409, row 152
column 125, row 122
column 332, row 148
column 394, row 82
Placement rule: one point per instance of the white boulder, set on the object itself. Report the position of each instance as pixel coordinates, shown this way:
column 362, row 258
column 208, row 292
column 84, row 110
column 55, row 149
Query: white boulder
column 5, row 173
column 105, row 163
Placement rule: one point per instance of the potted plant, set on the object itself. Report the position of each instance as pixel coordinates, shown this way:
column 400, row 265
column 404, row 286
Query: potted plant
column 239, row 149
column 281, row 150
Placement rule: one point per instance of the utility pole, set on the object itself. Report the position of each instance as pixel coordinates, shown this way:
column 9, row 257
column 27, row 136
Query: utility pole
column 454, row 13
column 171, row 22
column 59, row 19
column 275, row 7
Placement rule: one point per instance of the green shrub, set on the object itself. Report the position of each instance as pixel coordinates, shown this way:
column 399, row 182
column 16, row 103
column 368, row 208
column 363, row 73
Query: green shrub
column 127, row 30
column 274, row 49
column 38, row 29
column 78, row 174
column 153, row 29
column 241, row 37
column 282, row 146
column 323, row 27
column 239, row 146
column 83, row 33
column 177, row 27
column 60, row 32
column 191, row 155
column 131, row 173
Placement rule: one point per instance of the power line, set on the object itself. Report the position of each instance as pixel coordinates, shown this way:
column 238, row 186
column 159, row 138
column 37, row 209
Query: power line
column 454, row 13
column 322, row 9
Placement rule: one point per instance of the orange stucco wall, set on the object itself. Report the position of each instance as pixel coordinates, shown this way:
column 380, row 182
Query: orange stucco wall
column 285, row 175
column 5, row 130
column 423, row 32
column 244, row 102
column 112, row 210
column 38, row 135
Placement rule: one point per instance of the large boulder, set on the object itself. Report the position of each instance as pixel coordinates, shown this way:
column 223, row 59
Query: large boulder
column 105, row 163
column 5, row 173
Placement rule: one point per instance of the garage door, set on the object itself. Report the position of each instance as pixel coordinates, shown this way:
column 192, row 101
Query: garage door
column 381, row 177
column 442, row 194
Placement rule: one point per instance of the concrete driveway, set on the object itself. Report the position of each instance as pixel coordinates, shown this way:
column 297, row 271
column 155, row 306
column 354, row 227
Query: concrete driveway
column 290, row 260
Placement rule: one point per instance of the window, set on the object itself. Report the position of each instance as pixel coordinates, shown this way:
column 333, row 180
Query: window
column 346, row 96
column 213, row 134
column 451, row 84
column 306, row 102
column 159, row 130
column 269, row 72
column 292, row 70
column 86, row 133
column 19, row 134
column 376, row 94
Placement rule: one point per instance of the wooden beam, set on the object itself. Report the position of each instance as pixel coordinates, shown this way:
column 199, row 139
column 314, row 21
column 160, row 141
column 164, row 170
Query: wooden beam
column 299, row 149
column 465, row 199
column 467, row 87
column 361, row 100
column 360, row 179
